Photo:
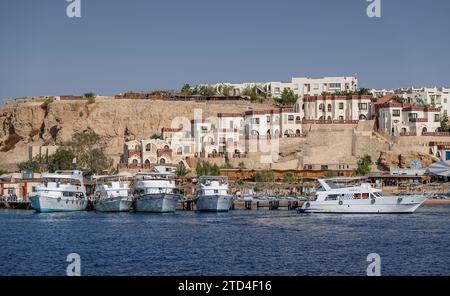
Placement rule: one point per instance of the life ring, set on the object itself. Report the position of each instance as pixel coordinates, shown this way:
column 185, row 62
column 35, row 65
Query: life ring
column 341, row 202
column 59, row 199
column 373, row 201
column 307, row 205
column 400, row 199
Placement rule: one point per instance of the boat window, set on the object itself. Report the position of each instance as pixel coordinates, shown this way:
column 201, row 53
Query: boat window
column 332, row 197
column 365, row 195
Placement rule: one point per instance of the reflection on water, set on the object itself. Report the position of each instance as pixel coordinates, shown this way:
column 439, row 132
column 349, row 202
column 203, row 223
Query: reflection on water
column 236, row 243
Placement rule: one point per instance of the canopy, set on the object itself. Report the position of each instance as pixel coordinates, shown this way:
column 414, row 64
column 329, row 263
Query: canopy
column 441, row 168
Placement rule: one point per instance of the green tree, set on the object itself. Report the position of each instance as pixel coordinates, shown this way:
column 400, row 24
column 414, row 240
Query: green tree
column 364, row 166
column 364, row 92
column 186, row 90
column 89, row 153
column 90, row 97
column 156, row 137
column 205, row 168
column 62, row 159
column 288, row 97
column 241, row 165
column 29, row 165
column 181, row 170
column 445, row 127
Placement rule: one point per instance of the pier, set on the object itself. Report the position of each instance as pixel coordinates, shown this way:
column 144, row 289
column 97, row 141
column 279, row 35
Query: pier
column 14, row 203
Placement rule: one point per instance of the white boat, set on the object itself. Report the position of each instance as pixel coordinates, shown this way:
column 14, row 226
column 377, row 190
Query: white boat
column 362, row 199
column 156, row 192
column 62, row 191
column 112, row 194
column 212, row 194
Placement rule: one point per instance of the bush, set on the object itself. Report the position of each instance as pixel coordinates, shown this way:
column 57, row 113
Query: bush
column 264, row 176
column 290, row 178
column 364, row 166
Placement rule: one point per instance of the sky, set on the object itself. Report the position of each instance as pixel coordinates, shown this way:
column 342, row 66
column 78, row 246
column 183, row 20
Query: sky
column 140, row 45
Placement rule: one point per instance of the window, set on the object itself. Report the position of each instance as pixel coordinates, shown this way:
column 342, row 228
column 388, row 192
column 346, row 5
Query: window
column 268, row 119
column 362, row 106
column 291, row 117
column 412, row 115
column 341, row 106
column 329, row 107
column 335, row 85
column 321, row 107
column 255, row 120
column 396, row 113
column 437, row 118
column 341, row 117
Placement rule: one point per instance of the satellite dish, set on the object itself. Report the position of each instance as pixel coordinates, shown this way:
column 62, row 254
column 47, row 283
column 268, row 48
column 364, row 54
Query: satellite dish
column 440, row 168
column 415, row 164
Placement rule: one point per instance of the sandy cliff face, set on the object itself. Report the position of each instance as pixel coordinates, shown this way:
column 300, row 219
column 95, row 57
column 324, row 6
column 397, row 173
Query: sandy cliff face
column 116, row 121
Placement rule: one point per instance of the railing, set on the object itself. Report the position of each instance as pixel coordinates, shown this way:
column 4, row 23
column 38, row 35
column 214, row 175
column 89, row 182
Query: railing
column 307, row 121
column 435, row 134
column 418, row 120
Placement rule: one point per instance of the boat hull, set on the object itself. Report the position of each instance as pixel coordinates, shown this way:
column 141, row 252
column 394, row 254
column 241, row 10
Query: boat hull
column 46, row 204
column 214, row 203
column 157, row 203
column 385, row 205
column 116, row 204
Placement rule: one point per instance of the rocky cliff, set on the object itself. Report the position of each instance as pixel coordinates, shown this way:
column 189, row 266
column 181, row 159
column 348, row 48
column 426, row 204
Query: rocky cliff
column 116, row 121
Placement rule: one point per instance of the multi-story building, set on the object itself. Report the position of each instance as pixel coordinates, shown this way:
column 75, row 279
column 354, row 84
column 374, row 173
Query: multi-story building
column 436, row 97
column 301, row 86
column 341, row 108
column 401, row 119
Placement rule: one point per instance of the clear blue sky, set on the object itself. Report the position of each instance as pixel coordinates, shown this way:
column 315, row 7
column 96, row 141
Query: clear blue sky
column 120, row 45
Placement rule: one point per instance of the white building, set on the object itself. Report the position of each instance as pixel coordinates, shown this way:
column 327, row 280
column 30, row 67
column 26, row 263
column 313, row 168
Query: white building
column 403, row 119
column 301, row 86
column 341, row 108
column 437, row 97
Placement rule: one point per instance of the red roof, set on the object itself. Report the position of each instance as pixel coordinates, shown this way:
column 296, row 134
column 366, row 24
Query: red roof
column 385, row 99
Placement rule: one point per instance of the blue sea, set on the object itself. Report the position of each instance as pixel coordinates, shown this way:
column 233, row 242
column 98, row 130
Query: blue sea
column 235, row 243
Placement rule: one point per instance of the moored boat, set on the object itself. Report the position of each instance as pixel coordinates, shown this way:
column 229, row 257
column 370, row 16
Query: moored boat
column 112, row 194
column 212, row 194
column 62, row 191
column 362, row 199
column 156, row 192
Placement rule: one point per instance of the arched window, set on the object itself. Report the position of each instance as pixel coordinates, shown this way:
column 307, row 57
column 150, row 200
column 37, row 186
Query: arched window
column 404, row 130
column 148, row 147
column 180, row 150
column 297, row 132
column 166, row 147
column 162, row 161
column 362, row 117
column 147, row 162
column 329, row 108
column 322, row 107
column 329, row 118
column 424, row 130
column 135, row 161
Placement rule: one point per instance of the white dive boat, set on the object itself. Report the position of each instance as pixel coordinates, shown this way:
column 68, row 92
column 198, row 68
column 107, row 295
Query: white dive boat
column 112, row 194
column 363, row 199
column 212, row 194
column 62, row 191
column 156, row 192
